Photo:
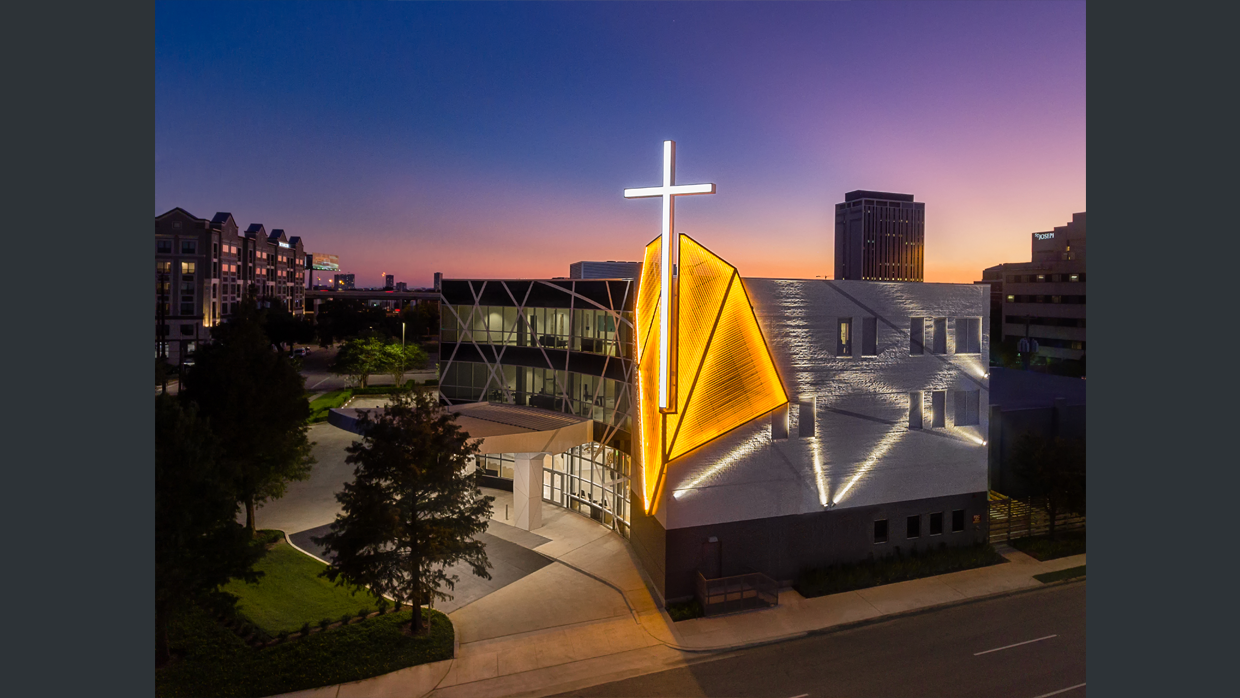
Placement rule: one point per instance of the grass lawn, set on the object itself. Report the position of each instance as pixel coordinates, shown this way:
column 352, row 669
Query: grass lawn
column 290, row 593
column 862, row 575
column 327, row 401
column 1071, row 572
column 213, row 661
column 1043, row 548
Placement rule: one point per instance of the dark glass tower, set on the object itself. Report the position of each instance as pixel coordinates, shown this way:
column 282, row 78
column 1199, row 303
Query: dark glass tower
column 880, row 236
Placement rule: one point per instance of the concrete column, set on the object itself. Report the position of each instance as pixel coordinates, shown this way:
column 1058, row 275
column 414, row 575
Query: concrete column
column 527, row 484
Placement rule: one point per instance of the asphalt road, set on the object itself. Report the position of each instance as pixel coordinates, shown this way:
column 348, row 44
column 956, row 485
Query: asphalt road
column 1023, row 646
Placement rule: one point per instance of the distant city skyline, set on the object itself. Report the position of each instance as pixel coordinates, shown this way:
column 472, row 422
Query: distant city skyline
column 495, row 139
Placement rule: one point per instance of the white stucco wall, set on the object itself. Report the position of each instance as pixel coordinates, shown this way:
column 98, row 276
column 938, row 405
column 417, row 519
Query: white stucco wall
column 862, row 434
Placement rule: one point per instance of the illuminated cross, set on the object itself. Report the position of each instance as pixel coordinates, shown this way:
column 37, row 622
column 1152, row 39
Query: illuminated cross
column 669, row 269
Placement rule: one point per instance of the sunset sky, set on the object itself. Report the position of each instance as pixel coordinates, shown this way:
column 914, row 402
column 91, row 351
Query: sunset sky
column 496, row 139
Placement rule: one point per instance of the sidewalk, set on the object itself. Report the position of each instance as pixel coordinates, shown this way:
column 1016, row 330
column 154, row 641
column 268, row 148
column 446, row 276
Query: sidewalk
column 589, row 618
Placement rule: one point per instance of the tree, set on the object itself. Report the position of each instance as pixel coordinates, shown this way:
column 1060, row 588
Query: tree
column 256, row 403
column 1054, row 469
column 411, row 510
column 399, row 358
column 283, row 328
column 421, row 319
column 198, row 543
column 341, row 319
column 359, row 358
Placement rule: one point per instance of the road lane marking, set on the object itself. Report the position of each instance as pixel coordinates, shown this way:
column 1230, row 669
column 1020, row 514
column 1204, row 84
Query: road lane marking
column 978, row 654
column 1062, row 690
column 319, row 383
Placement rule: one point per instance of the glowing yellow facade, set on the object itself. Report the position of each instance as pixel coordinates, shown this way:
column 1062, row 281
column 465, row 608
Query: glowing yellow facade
column 726, row 376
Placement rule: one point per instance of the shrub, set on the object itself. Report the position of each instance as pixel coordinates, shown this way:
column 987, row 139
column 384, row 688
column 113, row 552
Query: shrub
column 324, row 623
column 363, row 612
column 684, row 610
column 344, row 620
column 283, row 635
column 305, row 630
column 840, row 578
column 397, row 606
column 383, row 604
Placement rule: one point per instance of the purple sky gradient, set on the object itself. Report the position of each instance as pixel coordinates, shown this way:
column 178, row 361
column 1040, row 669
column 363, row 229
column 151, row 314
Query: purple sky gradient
column 495, row 139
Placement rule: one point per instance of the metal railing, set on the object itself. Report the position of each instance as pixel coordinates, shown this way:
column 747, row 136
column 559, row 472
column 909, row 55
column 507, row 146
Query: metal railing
column 739, row 593
column 1021, row 518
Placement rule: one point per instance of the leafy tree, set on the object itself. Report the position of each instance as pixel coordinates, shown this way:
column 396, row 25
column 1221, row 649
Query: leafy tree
column 161, row 372
column 361, row 358
column 411, row 510
column 345, row 318
column 421, row 320
column 198, row 543
column 283, row 328
column 255, row 400
column 1053, row 468
column 400, row 358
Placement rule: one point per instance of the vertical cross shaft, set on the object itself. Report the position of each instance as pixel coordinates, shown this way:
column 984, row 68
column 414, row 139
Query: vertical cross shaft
column 669, row 270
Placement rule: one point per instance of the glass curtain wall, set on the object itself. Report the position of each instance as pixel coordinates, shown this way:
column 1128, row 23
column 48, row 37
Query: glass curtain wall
column 590, row 331
column 593, row 397
column 592, row 480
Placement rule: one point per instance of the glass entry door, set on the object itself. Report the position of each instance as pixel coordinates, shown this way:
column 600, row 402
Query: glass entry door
column 553, row 487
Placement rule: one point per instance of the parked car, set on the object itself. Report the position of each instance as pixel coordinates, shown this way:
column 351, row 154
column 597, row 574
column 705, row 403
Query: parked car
column 300, row 351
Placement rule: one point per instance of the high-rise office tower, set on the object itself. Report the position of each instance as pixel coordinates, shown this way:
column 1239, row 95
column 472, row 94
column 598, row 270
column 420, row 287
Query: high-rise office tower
column 880, row 236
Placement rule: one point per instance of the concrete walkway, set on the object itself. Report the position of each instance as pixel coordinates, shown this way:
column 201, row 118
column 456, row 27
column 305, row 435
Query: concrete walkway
column 589, row 618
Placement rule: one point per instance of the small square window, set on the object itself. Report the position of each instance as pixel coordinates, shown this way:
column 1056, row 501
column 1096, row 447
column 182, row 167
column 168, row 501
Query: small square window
column 1011, row 298
column 163, row 246
column 913, row 527
column 936, row 523
column 187, row 330
column 189, row 247
column 880, row 531
column 957, row 520
column 187, row 267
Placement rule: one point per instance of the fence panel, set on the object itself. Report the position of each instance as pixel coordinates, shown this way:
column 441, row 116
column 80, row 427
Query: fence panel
column 738, row 593
column 1015, row 518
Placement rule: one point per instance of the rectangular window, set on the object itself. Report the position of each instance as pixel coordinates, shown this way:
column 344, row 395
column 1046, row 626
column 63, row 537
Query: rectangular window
column 936, row 523
column 843, row 345
column 187, row 308
column 968, row 335
column 958, row 521
column 917, row 336
column 215, row 291
column 914, row 410
column 163, row 266
column 940, row 335
column 938, row 408
column 880, row 531
column 187, row 267
column 163, row 246
column 189, row 247
column 869, row 336
column 967, row 407
column 913, row 527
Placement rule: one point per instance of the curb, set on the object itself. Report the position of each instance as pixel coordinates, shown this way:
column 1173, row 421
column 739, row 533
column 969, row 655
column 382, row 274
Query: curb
column 877, row 619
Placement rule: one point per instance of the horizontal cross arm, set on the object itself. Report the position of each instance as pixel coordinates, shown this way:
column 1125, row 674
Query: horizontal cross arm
column 643, row 192
column 693, row 189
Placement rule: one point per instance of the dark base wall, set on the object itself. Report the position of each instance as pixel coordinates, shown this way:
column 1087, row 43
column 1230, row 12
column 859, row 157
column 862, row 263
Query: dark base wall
column 782, row 547
column 495, row 483
column 649, row 542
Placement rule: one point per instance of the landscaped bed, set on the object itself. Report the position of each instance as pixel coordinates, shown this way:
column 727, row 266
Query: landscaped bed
column 1043, row 548
column 290, row 593
column 321, row 405
column 862, row 575
column 214, row 661
column 321, row 638
column 1060, row 575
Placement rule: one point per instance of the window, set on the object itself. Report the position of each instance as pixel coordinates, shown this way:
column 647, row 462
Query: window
column 880, row 531
column 967, row 406
column 187, row 308
column 958, row 521
column 936, row 523
column 940, row 335
column 215, row 250
column 1074, row 277
column 163, row 246
column 913, row 527
column 869, row 336
column 163, row 267
column 938, row 408
column 189, row 247
column 968, row 335
column 1011, row 298
column 843, row 345
column 187, row 267
column 917, row 336
column 215, row 291
column 187, row 330
column 914, row 410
